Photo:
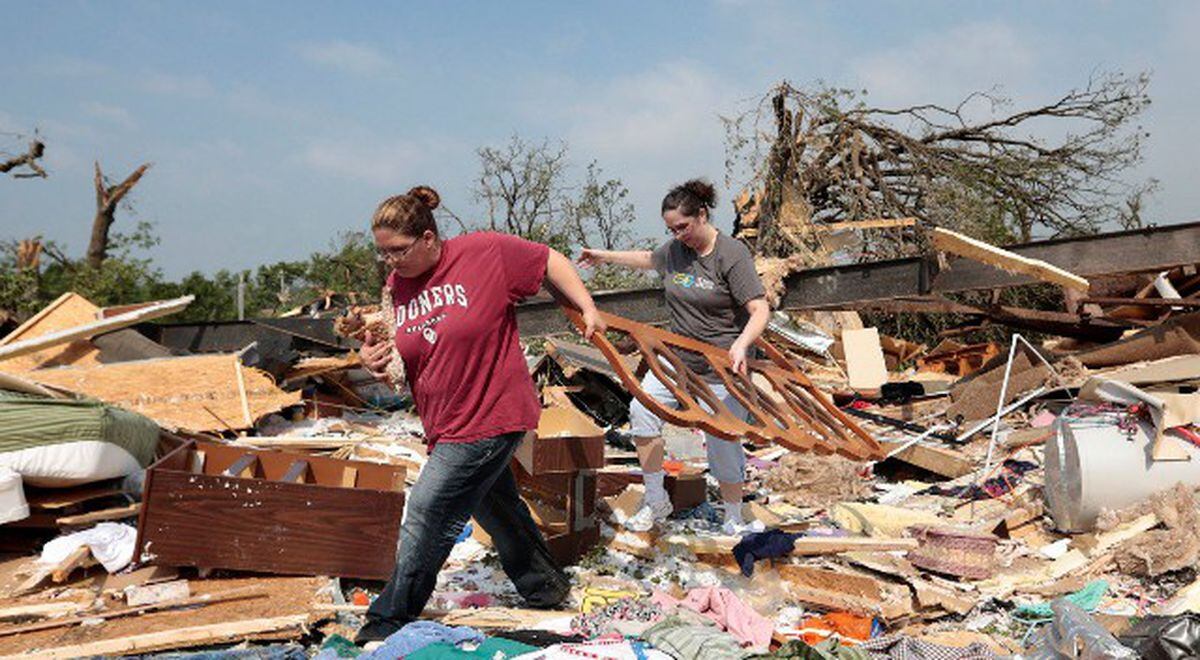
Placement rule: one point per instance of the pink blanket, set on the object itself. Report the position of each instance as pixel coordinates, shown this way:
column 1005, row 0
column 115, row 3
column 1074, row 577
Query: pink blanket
column 725, row 609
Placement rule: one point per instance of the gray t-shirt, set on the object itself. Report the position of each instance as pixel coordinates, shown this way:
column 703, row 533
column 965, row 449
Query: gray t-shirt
column 707, row 296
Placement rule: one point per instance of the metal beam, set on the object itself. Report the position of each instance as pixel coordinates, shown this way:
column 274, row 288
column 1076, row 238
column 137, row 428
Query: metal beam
column 1140, row 250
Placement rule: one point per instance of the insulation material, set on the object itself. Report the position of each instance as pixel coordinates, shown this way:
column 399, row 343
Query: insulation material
column 1162, row 550
column 813, row 480
column 197, row 393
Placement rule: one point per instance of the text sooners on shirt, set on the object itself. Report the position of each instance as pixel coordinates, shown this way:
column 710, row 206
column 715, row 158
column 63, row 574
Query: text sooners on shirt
column 456, row 329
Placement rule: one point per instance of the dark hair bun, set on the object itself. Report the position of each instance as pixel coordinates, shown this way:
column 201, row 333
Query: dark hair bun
column 703, row 190
column 427, row 196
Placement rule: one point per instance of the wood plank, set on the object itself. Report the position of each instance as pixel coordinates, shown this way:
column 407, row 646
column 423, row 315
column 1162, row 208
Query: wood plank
column 878, row 223
column 35, row 344
column 965, row 246
column 61, row 498
column 843, row 591
column 241, row 385
column 242, row 593
column 349, row 477
column 78, row 558
column 864, row 359
column 938, row 460
column 174, row 639
column 116, row 513
column 817, row 545
column 38, row 609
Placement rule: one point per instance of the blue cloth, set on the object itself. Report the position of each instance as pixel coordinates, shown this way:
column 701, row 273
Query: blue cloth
column 762, row 545
column 419, row 634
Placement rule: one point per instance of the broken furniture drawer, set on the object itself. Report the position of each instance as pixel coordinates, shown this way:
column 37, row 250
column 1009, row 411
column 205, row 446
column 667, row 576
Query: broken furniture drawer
column 218, row 506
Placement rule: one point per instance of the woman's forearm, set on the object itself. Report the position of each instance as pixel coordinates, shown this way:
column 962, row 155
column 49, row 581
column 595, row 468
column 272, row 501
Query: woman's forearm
column 564, row 284
column 640, row 259
column 760, row 315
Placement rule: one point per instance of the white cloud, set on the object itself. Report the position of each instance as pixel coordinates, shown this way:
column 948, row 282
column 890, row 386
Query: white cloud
column 353, row 58
column 947, row 66
column 379, row 163
column 113, row 114
column 196, row 87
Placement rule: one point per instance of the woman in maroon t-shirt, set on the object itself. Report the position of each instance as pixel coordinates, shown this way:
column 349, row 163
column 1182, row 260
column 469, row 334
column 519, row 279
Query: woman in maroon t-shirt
column 456, row 333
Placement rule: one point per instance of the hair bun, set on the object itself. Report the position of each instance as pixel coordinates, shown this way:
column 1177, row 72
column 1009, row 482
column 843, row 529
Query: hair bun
column 427, row 196
column 703, row 190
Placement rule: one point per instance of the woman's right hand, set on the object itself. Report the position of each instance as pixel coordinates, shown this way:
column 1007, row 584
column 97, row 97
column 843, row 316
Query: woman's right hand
column 589, row 258
column 375, row 355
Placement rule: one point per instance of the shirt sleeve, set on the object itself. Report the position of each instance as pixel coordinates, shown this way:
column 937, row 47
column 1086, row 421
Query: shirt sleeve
column 658, row 258
column 524, row 264
column 744, row 283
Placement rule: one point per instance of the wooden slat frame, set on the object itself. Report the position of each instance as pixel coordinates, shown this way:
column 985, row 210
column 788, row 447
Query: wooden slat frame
column 806, row 420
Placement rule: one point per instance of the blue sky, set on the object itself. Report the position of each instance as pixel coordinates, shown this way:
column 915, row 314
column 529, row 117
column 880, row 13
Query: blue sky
column 272, row 126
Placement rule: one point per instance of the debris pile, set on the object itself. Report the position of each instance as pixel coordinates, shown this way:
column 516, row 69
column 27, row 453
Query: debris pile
column 175, row 486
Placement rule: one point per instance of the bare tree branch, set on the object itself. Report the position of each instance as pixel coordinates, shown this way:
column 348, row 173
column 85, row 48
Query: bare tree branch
column 29, row 159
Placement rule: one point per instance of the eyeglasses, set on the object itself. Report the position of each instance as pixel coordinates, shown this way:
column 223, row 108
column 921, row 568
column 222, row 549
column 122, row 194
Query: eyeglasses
column 395, row 254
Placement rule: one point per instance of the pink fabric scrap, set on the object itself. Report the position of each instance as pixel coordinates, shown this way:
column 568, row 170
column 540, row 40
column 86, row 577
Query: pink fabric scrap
column 724, row 608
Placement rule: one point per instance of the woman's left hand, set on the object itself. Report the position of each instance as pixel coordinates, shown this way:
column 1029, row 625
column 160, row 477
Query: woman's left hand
column 737, row 355
column 592, row 323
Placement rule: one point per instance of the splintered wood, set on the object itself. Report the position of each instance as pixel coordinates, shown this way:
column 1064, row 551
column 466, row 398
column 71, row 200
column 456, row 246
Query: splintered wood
column 197, row 393
column 783, row 405
column 965, row 246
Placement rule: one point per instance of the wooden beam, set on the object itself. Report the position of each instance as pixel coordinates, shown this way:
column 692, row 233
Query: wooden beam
column 240, row 593
column 81, row 556
column 817, row 545
column 942, row 462
column 174, row 639
column 965, row 246
column 349, row 477
column 877, row 223
column 116, row 513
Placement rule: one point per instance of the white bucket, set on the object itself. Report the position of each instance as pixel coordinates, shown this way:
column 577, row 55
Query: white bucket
column 1092, row 465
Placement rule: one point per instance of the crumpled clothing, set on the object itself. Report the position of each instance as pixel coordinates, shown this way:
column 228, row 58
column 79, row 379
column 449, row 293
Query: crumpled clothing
column 625, row 617
column 843, row 625
column 112, row 545
column 763, row 545
column 419, row 634
column 494, row 648
column 899, row 647
column 726, row 610
column 604, row 649
column 829, row 649
column 689, row 640
column 539, row 638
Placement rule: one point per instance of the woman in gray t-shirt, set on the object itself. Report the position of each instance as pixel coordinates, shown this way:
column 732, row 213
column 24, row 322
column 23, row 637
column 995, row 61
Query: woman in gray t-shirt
column 714, row 295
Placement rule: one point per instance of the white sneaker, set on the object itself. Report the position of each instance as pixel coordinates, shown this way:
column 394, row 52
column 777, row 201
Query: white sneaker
column 652, row 512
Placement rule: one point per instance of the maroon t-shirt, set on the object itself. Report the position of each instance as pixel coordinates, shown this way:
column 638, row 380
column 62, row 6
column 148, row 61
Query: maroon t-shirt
column 456, row 329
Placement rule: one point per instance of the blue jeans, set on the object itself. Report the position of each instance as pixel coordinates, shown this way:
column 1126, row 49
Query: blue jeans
column 459, row 480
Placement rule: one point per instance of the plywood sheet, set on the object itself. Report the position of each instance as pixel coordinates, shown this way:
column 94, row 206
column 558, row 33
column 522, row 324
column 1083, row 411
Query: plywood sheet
column 180, row 393
column 864, row 359
column 68, row 311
